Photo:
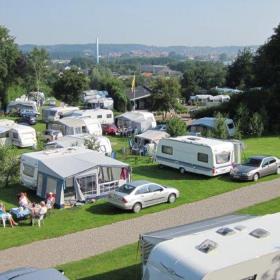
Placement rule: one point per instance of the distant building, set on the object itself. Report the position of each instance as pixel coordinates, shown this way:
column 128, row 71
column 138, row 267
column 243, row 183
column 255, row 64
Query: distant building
column 142, row 98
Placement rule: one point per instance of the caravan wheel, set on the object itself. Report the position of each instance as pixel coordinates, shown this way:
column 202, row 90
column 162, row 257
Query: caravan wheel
column 182, row 170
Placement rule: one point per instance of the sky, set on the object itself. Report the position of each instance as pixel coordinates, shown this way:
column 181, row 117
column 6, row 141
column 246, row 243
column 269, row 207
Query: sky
column 150, row 22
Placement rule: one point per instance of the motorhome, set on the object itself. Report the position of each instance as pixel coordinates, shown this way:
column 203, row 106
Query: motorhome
column 72, row 173
column 18, row 105
column 23, row 136
column 228, row 248
column 136, row 120
column 206, row 156
column 52, row 114
column 104, row 116
column 74, row 126
column 203, row 125
column 101, row 144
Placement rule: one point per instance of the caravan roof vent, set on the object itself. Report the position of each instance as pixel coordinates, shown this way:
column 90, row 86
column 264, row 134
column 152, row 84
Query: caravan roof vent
column 225, row 231
column 240, row 227
column 207, row 246
column 259, row 233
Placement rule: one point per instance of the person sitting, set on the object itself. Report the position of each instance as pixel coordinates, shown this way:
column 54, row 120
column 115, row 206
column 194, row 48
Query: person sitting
column 39, row 212
column 23, row 201
column 50, row 200
column 6, row 216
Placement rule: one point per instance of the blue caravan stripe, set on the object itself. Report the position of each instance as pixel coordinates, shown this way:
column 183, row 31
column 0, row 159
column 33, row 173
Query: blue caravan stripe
column 189, row 165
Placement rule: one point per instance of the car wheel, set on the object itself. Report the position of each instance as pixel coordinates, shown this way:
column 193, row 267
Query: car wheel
column 256, row 177
column 171, row 198
column 182, row 170
column 137, row 207
column 278, row 171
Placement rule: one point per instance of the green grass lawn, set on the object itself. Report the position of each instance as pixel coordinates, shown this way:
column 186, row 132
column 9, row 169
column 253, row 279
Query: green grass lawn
column 124, row 263
column 192, row 187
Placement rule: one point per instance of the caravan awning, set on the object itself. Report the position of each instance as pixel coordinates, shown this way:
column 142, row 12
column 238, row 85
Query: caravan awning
column 153, row 135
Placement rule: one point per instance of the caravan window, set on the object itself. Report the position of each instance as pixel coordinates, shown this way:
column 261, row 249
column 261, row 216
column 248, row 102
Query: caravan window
column 254, row 277
column 167, row 150
column 202, row 157
column 15, row 135
column 223, row 157
column 230, row 125
column 28, row 170
column 99, row 116
column 109, row 116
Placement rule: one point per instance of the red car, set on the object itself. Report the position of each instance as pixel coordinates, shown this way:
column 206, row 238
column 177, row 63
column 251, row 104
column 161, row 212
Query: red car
column 110, row 129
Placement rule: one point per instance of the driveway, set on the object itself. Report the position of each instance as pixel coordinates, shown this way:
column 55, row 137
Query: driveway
column 84, row 244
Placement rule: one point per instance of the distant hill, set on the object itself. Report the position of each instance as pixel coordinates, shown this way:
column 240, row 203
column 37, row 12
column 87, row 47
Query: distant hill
column 67, row 51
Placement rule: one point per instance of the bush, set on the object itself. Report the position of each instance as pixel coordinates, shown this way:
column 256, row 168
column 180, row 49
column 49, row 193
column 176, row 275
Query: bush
column 256, row 125
column 176, row 127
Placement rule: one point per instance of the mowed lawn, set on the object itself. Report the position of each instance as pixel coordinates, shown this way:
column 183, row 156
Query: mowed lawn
column 192, row 188
column 125, row 262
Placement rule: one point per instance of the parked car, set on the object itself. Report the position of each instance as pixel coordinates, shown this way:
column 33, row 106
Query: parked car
column 256, row 167
column 52, row 135
column 140, row 194
column 28, row 273
column 28, row 119
column 110, row 129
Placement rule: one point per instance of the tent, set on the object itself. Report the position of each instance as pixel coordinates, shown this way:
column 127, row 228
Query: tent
column 72, row 173
column 141, row 121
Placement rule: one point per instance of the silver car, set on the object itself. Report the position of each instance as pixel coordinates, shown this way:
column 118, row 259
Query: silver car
column 256, row 167
column 140, row 194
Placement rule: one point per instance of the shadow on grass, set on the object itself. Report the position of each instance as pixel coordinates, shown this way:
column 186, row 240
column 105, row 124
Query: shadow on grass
column 130, row 272
column 105, row 209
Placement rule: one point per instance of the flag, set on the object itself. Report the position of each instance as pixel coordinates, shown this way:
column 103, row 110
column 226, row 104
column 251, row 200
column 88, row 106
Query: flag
column 133, row 84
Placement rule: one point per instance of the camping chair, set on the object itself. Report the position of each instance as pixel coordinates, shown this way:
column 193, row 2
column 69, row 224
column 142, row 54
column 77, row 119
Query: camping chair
column 39, row 219
column 3, row 220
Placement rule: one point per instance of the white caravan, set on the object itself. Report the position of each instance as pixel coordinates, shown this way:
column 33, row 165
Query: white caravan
column 206, row 156
column 74, row 126
column 19, row 105
column 5, row 127
column 52, row 114
column 243, row 250
column 104, row 116
column 208, row 123
column 102, row 144
column 23, row 136
column 100, row 102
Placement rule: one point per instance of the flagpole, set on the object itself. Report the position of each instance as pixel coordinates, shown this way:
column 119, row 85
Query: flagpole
column 133, row 91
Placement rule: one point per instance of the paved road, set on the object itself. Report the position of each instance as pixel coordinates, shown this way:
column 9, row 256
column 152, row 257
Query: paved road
column 80, row 245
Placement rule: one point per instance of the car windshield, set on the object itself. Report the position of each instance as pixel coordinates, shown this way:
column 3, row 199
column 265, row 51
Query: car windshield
column 126, row 188
column 253, row 162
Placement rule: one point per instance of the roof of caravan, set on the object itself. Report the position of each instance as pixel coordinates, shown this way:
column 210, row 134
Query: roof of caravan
column 66, row 108
column 66, row 162
column 183, row 255
column 209, row 122
column 6, row 123
column 209, row 142
column 23, row 128
column 136, row 116
column 153, row 135
column 72, row 122
column 91, row 111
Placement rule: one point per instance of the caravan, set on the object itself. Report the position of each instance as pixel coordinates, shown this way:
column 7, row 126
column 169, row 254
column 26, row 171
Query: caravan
column 74, row 126
column 19, row 105
column 104, row 116
column 52, row 114
column 225, row 248
column 206, row 156
column 72, row 173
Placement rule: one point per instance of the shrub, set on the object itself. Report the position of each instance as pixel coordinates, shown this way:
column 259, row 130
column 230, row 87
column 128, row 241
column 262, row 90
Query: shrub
column 176, row 127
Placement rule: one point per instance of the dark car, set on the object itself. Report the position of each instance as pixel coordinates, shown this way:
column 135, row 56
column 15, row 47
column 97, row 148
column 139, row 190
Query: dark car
column 110, row 129
column 256, row 167
column 31, row 120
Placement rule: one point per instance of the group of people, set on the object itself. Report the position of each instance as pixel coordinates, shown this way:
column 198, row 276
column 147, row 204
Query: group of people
column 34, row 210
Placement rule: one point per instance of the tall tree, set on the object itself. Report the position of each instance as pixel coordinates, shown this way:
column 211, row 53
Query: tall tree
column 165, row 94
column 9, row 56
column 240, row 72
column 70, row 85
column 38, row 60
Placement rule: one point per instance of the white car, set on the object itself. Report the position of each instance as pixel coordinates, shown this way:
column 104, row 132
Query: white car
column 140, row 194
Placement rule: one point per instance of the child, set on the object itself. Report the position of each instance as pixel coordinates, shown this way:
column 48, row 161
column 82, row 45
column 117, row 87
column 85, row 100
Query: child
column 6, row 216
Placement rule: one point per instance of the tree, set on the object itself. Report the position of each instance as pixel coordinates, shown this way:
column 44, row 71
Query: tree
column 176, row 127
column 9, row 56
column 220, row 130
column 9, row 167
column 240, row 72
column 165, row 94
column 38, row 60
column 92, row 143
column 70, row 85
column 256, row 125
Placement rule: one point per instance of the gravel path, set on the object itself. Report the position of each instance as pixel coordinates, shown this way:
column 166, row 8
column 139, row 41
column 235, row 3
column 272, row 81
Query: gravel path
column 80, row 245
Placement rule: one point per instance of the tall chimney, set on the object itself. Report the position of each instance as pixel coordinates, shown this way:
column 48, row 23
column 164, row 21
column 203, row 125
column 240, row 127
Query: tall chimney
column 97, row 51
